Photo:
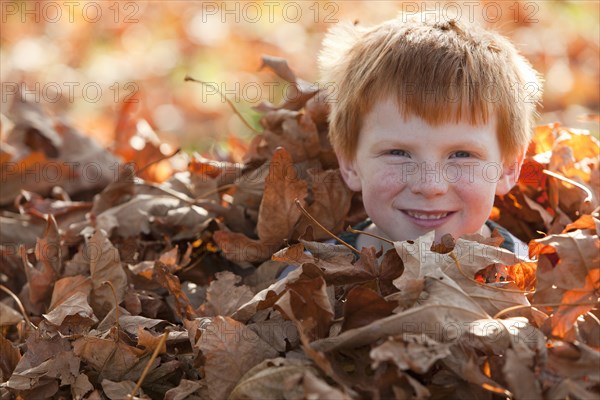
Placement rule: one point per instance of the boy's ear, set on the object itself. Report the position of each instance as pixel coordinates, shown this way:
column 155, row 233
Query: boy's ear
column 510, row 175
column 349, row 173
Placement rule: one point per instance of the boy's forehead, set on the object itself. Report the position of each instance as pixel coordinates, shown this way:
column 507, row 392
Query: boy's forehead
column 384, row 107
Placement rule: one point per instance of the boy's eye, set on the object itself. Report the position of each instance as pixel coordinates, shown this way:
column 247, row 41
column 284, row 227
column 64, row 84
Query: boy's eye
column 397, row 152
column 461, row 154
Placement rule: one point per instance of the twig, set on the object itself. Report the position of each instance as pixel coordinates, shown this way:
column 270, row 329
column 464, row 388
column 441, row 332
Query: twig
column 352, row 230
column 109, row 283
column 18, row 301
column 207, row 205
column 164, row 157
column 114, row 350
column 593, row 317
column 217, row 190
column 189, row 78
column 588, row 192
column 451, row 254
column 194, row 264
column 498, row 390
column 181, row 196
column 322, row 227
column 162, row 341
column 509, row 309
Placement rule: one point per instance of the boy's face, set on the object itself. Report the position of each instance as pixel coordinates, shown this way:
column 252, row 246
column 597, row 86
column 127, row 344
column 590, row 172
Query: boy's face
column 415, row 177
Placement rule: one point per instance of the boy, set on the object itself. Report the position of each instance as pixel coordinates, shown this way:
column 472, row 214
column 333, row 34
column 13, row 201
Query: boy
column 429, row 120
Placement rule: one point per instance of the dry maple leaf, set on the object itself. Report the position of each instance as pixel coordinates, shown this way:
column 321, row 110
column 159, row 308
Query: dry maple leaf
column 118, row 390
column 183, row 390
column 112, row 359
column 364, row 306
column 10, row 356
column 294, row 131
column 494, row 297
column 239, row 248
column 429, row 318
column 307, row 304
column 73, row 315
column 66, row 287
column 278, row 213
column 568, row 274
column 329, row 202
column 301, row 91
column 411, row 323
column 269, row 379
column 267, row 297
column 53, row 146
column 335, row 262
column 576, row 362
column 224, row 296
column 229, row 349
column 48, row 255
column 410, row 351
column 171, row 282
column 105, row 266
column 451, row 276
column 520, row 377
column 316, row 387
column 38, row 363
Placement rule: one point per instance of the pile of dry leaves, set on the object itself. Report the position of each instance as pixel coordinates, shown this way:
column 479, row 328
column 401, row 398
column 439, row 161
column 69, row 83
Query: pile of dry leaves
column 116, row 285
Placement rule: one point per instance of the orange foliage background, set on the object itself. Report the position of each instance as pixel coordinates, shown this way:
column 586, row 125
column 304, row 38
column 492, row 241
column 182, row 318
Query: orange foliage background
column 147, row 48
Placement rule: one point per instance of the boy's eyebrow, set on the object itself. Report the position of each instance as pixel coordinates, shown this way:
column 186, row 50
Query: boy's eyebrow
column 407, row 144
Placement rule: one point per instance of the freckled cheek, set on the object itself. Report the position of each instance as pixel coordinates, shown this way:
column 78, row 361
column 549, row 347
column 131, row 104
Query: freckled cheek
column 474, row 189
column 470, row 183
column 475, row 192
column 379, row 191
column 386, row 180
column 466, row 175
column 454, row 174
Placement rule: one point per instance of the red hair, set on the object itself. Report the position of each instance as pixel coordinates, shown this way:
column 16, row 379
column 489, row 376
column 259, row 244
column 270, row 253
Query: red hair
column 442, row 72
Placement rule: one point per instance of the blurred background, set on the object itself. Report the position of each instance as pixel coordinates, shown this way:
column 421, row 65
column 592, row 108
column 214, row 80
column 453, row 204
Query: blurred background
column 86, row 60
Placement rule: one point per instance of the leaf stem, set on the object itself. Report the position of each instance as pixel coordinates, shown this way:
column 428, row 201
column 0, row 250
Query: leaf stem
column 18, row 301
column 513, row 308
column 163, row 157
column 217, row 190
column 235, row 110
column 162, row 341
column 109, row 283
column 593, row 318
column 588, row 192
column 307, row 214
column 352, row 230
column 181, row 196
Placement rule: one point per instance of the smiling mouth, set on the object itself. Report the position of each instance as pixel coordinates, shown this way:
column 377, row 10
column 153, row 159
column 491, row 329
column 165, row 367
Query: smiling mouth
column 428, row 215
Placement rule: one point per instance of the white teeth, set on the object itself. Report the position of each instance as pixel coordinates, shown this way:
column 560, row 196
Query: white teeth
column 426, row 216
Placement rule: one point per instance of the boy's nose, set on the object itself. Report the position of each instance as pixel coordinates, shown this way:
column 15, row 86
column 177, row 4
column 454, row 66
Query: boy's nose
column 429, row 182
